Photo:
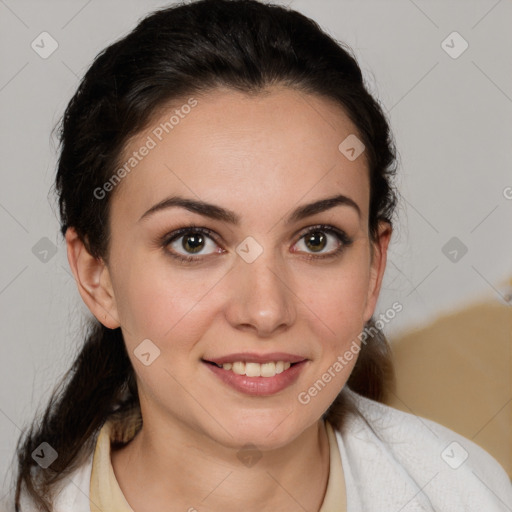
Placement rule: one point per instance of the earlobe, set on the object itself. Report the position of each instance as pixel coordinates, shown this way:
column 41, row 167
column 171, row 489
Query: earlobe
column 378, row 266
column 93, row 280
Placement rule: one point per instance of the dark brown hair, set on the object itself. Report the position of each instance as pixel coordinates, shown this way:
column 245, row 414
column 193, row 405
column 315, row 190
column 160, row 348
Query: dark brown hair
column 186, row 49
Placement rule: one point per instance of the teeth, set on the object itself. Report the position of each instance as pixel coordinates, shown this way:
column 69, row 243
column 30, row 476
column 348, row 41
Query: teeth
column 238, row 368
column 252, row 369
column 256, row 369
column 267, row 369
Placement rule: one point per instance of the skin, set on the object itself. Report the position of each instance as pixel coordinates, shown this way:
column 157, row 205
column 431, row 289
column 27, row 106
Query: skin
column 261, row 157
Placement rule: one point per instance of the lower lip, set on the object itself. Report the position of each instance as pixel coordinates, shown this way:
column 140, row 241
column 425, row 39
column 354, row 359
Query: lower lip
column 258, row 386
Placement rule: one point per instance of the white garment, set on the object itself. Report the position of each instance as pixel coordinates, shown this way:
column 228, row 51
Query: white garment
column 417, row 465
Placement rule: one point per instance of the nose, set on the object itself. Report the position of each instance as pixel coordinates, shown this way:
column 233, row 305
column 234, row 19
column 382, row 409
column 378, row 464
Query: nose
column 261, row 298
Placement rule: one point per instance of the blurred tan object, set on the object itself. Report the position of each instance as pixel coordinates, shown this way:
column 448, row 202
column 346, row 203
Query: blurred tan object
column 458, row 372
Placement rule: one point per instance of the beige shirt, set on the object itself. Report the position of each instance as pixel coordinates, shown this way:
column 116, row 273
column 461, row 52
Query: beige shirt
column 107, row 495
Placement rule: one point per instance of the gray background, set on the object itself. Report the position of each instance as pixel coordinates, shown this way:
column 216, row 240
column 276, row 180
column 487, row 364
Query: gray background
column 451, row 119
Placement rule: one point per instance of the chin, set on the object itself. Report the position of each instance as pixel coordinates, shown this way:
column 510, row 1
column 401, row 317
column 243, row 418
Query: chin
column 266, row 431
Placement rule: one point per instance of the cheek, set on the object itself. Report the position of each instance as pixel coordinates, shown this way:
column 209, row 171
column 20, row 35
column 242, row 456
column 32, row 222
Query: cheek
column 157, row 299
column 338, row 296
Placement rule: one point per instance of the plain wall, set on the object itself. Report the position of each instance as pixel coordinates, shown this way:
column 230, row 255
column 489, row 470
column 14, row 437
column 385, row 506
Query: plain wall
column 451, row 117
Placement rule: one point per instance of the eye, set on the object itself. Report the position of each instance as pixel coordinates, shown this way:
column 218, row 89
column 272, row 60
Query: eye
column 190, row 244
column 326, row 241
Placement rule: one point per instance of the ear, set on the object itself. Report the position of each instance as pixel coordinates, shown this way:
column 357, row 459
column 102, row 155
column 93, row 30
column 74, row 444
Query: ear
column 379, row 250
column 93, row 280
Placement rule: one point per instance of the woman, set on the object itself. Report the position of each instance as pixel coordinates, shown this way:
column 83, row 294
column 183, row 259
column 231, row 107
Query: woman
column 226, row 196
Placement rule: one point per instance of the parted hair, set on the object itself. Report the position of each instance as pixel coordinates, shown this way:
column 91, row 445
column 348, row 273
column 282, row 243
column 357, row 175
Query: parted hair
column 185, row 49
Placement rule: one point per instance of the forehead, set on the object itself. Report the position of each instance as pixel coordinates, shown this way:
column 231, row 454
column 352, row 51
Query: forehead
column 240, row 150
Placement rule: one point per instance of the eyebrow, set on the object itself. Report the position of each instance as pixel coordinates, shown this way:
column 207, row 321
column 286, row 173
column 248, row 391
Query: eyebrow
column 218, row 213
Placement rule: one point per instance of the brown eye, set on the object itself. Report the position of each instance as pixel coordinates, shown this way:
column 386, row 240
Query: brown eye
column 316, row 241
column 185, row 242
column 325, row 241
column 193, row 243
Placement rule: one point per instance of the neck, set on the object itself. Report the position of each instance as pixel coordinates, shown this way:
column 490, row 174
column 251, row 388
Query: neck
column 192, row 474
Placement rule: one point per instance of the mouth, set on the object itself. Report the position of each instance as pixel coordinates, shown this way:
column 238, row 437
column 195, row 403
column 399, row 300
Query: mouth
column 257, row 375
column 253, row 369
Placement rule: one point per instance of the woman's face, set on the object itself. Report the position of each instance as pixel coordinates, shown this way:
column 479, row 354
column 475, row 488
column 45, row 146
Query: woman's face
column 264, row 282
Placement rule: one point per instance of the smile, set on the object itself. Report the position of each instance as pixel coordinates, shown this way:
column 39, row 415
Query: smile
column 269, row 369
column 257, row 379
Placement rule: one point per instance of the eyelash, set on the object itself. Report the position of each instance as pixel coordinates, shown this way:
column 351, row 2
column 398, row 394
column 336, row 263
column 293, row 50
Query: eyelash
column 166, row 240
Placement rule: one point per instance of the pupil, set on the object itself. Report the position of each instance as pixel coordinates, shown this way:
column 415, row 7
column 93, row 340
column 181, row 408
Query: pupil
column 194, row 242
column 316, row 238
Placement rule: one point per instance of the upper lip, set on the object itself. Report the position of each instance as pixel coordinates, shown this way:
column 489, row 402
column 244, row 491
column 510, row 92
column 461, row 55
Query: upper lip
column 251, row 357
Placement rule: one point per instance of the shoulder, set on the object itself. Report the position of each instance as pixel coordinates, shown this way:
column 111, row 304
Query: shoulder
column 389, row 447
column 75, row 493
column 72, row 494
